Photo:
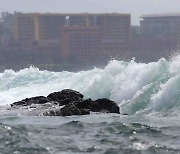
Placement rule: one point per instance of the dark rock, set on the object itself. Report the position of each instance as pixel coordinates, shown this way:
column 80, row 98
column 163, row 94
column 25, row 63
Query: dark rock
column 85, row 112
column 100, row 105
column 33, row 100
column 72, row 109
column 19, row 103
column 69, row 100
column 86, row 104
column 67, row 110
column 105, row 104
column 65, row 96
column 67, row 103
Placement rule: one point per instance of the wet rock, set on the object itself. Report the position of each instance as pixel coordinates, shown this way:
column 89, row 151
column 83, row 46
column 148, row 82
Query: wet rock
column 66, row 93
column 67, row 110
column 86, row 104
column 65, row 96
column 52, row 113
column 29, row 101
column 72, row 109
column 67, row 103
column 105, row 105
column 100, row 105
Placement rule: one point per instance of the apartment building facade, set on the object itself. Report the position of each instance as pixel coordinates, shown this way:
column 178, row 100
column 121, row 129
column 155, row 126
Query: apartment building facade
column 108, row 33
column 81, row 42
column 160, row 25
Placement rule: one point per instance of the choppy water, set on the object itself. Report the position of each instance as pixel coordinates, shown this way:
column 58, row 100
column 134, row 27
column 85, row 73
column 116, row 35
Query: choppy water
column 90, row 134
column 149, row 93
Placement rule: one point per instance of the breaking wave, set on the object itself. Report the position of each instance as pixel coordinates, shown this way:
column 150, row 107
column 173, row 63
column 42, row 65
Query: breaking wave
column 138, row 88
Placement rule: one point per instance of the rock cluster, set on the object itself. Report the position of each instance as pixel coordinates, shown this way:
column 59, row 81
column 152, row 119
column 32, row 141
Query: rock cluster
column 67, row 103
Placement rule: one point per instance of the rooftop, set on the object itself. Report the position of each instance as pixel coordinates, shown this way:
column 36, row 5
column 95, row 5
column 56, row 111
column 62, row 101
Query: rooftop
column 76, row 14
column 161, row 15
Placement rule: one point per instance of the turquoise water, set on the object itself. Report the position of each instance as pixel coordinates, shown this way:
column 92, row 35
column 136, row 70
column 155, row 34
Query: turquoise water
column 148, row 93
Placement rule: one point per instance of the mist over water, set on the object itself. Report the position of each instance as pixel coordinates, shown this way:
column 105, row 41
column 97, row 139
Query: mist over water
column 137, row 87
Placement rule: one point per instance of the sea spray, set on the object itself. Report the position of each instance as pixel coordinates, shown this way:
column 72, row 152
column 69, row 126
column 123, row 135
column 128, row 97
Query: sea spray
column 136, row 87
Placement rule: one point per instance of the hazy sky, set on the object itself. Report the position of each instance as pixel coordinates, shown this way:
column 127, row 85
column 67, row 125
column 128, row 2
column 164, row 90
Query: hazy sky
column 135, row 7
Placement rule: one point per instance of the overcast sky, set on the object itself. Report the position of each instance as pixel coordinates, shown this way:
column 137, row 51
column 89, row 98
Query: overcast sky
column 135, row 7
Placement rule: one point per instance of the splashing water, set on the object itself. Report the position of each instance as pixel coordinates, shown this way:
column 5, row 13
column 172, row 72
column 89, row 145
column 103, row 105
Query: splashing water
column 150, row 93
column 136, row 87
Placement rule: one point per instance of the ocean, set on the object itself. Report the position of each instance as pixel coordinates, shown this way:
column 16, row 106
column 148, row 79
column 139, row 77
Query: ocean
column 148, row 95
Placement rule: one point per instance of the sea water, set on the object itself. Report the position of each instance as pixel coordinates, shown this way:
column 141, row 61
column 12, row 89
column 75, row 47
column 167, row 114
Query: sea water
column 148, row 95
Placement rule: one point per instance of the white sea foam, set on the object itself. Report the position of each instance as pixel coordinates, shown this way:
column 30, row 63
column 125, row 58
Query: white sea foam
column 167, row 95
column 123, row 82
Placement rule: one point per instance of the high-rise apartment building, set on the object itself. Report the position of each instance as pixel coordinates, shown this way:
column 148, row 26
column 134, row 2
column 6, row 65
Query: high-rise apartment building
column 78, row 20
column 76, row 33
column 81, row 41
column 158, row 37
column 42, row 28
column 160, row 25
column 116, row 31
column 114, row 28
column 25, row 27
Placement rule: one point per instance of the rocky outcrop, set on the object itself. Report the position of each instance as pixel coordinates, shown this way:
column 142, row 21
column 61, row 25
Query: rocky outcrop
column 30, row 101
column 67, row 103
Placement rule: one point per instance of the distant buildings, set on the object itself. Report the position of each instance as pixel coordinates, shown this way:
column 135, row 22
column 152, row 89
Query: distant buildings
column 71, row 38
column 97, row 33
column 161, row 25
column 116, row 33
column 43, row 29
column 159, row 36
column 81, row 42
